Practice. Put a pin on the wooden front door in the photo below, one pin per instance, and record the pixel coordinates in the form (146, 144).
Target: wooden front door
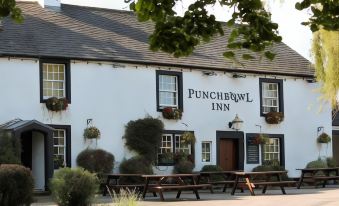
(228, 154)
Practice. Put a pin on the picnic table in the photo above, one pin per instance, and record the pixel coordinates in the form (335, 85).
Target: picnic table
(113, 182)
(225, 178)
(177, 182)
(254, 179)
(312, 175)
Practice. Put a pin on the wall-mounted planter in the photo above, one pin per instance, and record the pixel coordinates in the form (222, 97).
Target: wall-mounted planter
(324, 138)
(91, 133)
(261, 139)
(171, 113)
(274, 117)
(56, 104)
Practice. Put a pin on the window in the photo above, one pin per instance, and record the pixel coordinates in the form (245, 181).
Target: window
(206, 151)
(55, 80)
(61, 145)
(271, 96)
(169, 89)
(171, 144)
(272, 150)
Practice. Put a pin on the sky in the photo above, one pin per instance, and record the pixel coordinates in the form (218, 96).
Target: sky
(295, 35)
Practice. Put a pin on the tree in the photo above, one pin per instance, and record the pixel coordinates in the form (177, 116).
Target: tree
(9, 8)
(251, 30)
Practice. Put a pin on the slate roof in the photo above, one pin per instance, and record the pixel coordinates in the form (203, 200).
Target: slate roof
(87, 33)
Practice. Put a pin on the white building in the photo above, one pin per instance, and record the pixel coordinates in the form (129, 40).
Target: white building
(98, 59)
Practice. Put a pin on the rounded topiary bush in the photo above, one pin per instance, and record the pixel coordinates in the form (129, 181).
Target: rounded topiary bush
(211, 168)
(74, 187)
(16, 185)
(136, 165)
(144, 136)
(331, 162)
(272, 165)
(317, 164)
(96, 160)
(183, 167)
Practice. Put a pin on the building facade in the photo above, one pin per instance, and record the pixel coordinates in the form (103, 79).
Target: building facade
(109, 77)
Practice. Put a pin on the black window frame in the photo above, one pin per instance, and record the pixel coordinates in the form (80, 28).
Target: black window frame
(180, 87)
(280, 90)
(67, 64)
(282, 148)
(173, 133)
(68, 141)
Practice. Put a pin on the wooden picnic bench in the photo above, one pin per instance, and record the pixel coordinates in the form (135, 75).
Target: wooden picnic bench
(255, 179)
(181, 182)
(311, 175)
(225, 178)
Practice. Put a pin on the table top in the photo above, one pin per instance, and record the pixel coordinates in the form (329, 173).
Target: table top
(122, 175)
(171, 175)
(259, 173)
(217, 172)
(319, 169)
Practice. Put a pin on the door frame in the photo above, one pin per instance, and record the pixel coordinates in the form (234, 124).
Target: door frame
(239, 135)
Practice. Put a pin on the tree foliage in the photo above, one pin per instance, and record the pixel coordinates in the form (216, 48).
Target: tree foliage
(10, 149)
(9, 8)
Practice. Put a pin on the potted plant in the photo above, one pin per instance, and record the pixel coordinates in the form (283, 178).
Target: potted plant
(166, 158)
(324, 138)
(56, 104)
(188, 138)
(274, 117)
(261, 139)
(171, 113)
(91, 133)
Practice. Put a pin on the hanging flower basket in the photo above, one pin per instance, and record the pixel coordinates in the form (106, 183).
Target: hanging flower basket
(171, 113)
(56, 104)
(324, 138)
(261, 139)
(91, 133)
(274, 117)
(188, 137)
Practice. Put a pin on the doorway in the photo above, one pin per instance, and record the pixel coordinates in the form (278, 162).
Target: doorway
(335, 145)
(230, 150)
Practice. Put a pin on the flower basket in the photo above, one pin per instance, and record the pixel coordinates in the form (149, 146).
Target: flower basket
(324, 138)
(91, 133)
(56, 104)
(188, 137)
(261, 139)
(171, 113)
(274, 117)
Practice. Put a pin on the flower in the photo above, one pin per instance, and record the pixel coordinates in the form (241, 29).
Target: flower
(171, 113)
(323, 138)
(91, 133)
(261, 139)
(56, 104)
(274, 117)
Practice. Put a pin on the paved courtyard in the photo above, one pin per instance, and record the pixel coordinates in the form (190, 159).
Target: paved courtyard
(294, 197)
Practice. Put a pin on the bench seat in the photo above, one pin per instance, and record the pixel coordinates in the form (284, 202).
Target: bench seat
(180, 187)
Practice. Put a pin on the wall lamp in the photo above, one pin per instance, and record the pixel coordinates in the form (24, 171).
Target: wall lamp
(209, 73)
(236, 123)
(238, 75)
(311, 80)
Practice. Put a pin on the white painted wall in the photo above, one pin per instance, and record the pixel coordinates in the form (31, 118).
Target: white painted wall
(38, 160)
(114, 96)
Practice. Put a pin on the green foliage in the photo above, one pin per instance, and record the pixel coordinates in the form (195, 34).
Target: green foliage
(317, 164)
(91, 133)
(171, 113)
(73, 187)
(331, 162)
(16, 185)
(188, 138)
(9, 8)
(144, 136)
(96, 160)
(136, 165)
(271, 165)
(325, 51)
(213, 168)
(325, 14)
(183, 167)
(10, 149)
(126, 198)
(324, 138)
(56, 104)
(261, 139)
(274, 117)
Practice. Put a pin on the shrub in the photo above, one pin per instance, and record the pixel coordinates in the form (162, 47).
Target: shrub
(184, 167)
(144, 136)
(271, 165)
(126, 198)
(324, 138)
(91, 133)
(10, 149)
(317, 164)
(135, 165)
(213, 168)
(16, 185)
(181, 156)
(331, 162)
(73, 187)
(96, 160)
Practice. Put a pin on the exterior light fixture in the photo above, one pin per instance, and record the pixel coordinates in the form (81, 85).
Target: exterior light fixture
(236, 123)
(238, 75)
(209, 73)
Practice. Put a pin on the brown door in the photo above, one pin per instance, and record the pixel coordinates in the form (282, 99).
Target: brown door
(228, 158)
